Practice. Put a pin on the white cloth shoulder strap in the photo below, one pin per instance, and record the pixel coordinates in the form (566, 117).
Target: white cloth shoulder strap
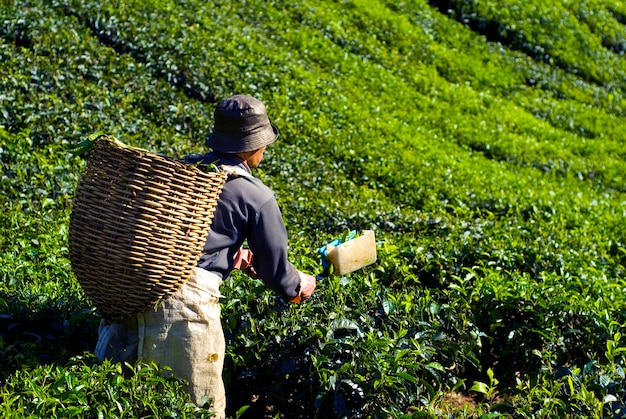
(234, 170)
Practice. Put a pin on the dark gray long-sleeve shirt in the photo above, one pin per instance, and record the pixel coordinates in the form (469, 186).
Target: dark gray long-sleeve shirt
(247, 210)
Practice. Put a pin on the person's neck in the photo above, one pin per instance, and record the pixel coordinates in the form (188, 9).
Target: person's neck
(233, 159)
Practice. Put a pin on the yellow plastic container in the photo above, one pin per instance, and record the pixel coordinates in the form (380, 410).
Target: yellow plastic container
(353, 254)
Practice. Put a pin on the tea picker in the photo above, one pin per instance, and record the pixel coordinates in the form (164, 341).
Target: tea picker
(151, 247)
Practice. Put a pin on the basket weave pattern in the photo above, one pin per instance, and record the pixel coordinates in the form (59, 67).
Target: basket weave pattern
(138, 225)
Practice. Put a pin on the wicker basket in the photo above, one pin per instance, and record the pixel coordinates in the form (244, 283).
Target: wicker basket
(138, 225)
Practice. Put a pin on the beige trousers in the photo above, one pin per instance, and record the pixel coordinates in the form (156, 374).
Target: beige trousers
(184, 332)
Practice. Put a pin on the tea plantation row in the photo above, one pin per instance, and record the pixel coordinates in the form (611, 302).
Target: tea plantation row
(484, 144)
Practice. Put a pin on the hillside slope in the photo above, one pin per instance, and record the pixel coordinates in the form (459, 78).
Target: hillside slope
(483, 141)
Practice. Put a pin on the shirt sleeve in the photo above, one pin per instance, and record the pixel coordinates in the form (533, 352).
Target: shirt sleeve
(267, 238)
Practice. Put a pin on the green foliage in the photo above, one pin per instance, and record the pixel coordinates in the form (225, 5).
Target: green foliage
(86, 388)
(483, 141)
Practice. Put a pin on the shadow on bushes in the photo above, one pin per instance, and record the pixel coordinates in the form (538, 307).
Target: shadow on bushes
(53, 335)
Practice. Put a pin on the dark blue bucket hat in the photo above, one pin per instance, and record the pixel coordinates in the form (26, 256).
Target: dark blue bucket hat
(241, 124)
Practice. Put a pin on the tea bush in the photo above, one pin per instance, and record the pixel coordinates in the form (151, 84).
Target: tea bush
(86, 388)
(482, 141)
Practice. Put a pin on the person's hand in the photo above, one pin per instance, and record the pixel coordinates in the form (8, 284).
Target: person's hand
(307, 286)
(243, 261)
